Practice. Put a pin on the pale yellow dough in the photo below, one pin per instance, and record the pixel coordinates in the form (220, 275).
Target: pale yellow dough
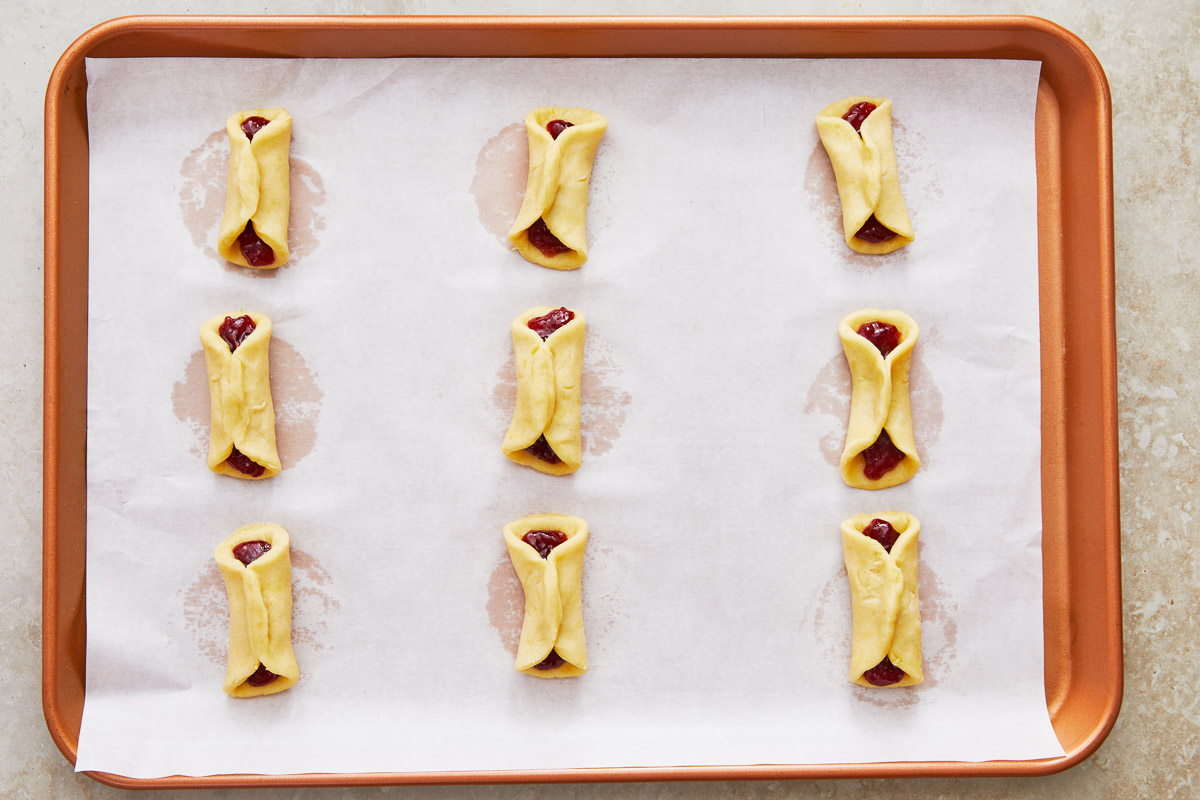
(883, 596)
(865, 168)
(557, 187)
(239, 390)
(553, 588)
(260, 611)
(549, 374)
(257, 189)
(879, 400)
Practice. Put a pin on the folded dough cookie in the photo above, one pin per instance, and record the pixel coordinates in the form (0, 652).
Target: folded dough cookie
(857, 134)
(880, 450)
(242, 441)
(551, 227)
(256, 564)
(880, 551)
(548, 350)
(257, 193)
(547, 553)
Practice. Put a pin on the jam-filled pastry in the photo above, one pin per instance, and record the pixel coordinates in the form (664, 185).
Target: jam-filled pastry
(257, 193)
(551, 227)
(547, 553)
(857, 134)
(548, 351)
(880, 551)
(880, 450)
(256, 564)
(242, 439)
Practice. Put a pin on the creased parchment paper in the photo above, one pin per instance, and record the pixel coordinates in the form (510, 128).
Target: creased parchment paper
(716, 607)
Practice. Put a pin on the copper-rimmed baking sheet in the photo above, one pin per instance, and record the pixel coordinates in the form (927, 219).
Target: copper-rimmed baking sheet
(1081, 545)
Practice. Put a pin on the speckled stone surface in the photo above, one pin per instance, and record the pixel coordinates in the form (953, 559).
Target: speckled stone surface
(1152, 57)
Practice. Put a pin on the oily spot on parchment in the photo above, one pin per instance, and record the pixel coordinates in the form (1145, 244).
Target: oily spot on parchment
(912, 148)
(506, 604)
(294, 392)
(604, 404)
(832, 625)
(830, 394)
(499, 183)
(206, 607)
(203, 177)
(501, 174)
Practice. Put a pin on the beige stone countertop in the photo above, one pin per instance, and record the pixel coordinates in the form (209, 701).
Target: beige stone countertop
(1152, 58)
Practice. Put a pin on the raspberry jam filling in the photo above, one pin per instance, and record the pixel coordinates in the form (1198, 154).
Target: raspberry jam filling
(550, 662)
(256, 252)
(252, 125)
(544, 541)
(235, 331)
(261, 677)
(885, 673)
(885, 337)
(545, 241)
(881, 457)
(858, 114)
(874, 231)
(882, 531)
(557, 126)
(244, 464)
(545, 325)
(542, 449)
(248, 552)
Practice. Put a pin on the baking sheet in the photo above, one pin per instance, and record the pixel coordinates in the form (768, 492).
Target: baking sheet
(715, 399)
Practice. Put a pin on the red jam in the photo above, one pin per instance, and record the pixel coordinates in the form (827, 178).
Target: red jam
(881, 457)
(544, 541)
(557, 126)
(873, 231)
(542, 449)
(235, 331)
(882, 531)
(858, 114)
(545, 241)
(885, 337)
(550, 662)
(548, 324)
(885, 673)
(256, 252)
(243, 464)
(252, 125)
(261, 677)
(248, 552)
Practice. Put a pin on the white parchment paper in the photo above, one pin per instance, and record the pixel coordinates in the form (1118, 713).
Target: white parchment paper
(716, 395)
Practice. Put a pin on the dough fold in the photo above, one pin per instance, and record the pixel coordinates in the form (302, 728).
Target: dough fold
(257, 189)
(557, 186)
(883, 596)
(865, 168)
(260, 611)
(553, 588)
(549, 374)
(239, 389)
(879, 400)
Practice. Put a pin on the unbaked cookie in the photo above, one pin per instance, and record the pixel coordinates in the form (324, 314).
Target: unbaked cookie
(548, 352)
(257, 193)
(242, 441)
(547, 553)
(551, 227)
(256, 564)
(880, 551)
(857, 134)
(880, 450)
